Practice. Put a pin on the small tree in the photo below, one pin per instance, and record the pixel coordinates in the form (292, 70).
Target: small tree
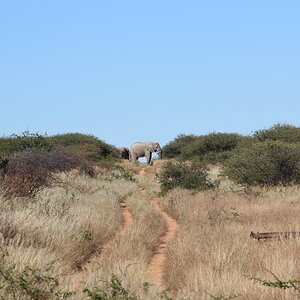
(264, 163)
(184, 175)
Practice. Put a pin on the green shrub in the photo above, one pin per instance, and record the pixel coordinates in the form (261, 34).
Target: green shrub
(279, 283)
(264, 163)
(84, 144)
(211, 148)
(88, 145)
(174, 148)
(279, 132)
(113, 290)
(119, 172)
(184, 175)
(27, 140)
(31, 284)
(222, 297)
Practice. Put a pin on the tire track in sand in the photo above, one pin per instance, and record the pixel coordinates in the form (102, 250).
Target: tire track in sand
(85, 269)
(157, 262)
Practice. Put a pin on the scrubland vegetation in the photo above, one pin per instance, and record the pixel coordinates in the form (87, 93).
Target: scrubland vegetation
(212, 252)
(65, 203)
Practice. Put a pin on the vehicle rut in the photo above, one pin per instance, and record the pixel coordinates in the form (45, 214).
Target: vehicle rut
(157, 262)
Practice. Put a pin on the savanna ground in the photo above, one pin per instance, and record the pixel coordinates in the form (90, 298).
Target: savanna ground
(87, 229)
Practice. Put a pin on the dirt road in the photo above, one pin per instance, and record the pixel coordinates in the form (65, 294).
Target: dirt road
(157, 262)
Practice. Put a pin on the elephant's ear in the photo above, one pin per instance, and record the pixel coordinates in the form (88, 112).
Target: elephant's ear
(150, 148)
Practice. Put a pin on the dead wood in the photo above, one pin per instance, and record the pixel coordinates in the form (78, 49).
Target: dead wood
(275, 235)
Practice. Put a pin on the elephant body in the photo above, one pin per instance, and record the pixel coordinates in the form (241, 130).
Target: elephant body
(144, 149)
(124, 152)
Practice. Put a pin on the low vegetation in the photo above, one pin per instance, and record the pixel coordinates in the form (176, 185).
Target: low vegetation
(192, 176)
(28, 172)
(87, 145)
(30, 283)
(30, 162)
(279, 132)
(64, 225)
(212, 253)
(63, 232)
(27, 140)
(174, 148)
(211, 148)
(265, 163)
(132, 248)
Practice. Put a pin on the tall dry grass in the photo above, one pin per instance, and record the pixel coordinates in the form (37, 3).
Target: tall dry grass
(129, 253)
(212, 252)
(66, 224)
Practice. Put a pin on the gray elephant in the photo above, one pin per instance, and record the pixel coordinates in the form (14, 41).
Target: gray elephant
(124, 152)
(144, 149)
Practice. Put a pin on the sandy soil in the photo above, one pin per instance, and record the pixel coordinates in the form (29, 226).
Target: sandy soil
(156, 264)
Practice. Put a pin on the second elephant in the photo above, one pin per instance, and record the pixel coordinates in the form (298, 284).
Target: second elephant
(124, 152)
(144, 149)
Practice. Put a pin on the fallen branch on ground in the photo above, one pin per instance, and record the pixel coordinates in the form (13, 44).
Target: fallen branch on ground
(275, 235)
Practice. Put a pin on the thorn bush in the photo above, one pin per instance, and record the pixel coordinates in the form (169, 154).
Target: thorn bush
(28, 172)
(184, 175)
(279, 132)
(29, 283)
(264, 163)
(212, 148)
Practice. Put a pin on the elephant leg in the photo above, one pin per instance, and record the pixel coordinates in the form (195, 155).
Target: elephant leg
(134, 157)
(148, 156)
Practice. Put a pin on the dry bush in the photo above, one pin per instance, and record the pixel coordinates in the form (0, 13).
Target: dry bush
(28, 172)
(8, 229)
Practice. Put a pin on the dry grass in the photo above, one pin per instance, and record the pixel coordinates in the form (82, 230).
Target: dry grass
(66, 225)
(79, 224)
(212, 251)
(128, 254)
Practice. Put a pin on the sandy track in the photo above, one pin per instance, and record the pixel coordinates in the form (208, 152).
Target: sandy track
(157, 263)
(85, 268)
(126, 213)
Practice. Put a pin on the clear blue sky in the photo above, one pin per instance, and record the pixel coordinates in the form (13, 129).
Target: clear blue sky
(129, 71)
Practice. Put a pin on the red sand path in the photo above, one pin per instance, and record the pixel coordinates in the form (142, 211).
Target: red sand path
(157, 262)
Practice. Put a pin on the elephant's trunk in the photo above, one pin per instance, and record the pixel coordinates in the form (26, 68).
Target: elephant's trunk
(159, 154)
